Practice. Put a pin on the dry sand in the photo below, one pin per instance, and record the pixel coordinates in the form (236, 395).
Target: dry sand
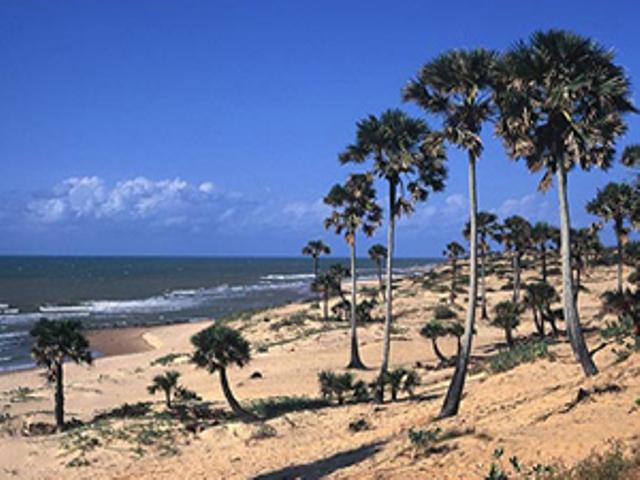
(525, 410)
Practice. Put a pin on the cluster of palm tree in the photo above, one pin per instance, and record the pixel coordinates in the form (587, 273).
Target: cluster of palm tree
(557, 100)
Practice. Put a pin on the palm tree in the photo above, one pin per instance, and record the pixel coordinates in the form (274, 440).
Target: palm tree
(410, 159)
(327, 284)
(378, 253)
(515, 234)
(488, 228)
(631, 156)
(54, 343)
(314, 249)
(539, 297)
(354, 207)
(167, 382)
(615, 203)
(562, 100)
(456, 86)
(585, 245)
(541, 234)
(216, 348)
(453, 252)
(507, 317)
(436, 329)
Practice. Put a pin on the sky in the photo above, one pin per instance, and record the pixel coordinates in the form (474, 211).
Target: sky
(186, 127)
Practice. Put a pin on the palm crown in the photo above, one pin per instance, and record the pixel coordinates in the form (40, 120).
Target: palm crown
(57, 341)
(354, 206)
(377, 252)
(615, 202)
(218, 347)
(453, 250)
(315, 248)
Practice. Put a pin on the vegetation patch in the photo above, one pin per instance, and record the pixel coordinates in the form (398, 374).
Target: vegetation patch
(275, 406)
(169, 359)
(21, 395)
(526, 352)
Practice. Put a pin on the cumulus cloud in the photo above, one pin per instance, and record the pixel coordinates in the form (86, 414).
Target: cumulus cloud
(533, 206)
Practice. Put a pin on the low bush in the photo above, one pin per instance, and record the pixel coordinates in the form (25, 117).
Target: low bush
(275, 406)
(521, 353)
(443, 312)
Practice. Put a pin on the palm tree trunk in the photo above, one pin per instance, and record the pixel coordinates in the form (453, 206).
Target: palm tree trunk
(315, 267)
(444, 360)
(454, 271)
(538, 320)
(454, 393)
(543, 258)
(574, 330)
(231, 400)
(325, 304)
(384, 366)
(620, 261)
(380, 282)
(355, 361)
(483, 288)
(59, 397)
(516, 276)
(167, 396)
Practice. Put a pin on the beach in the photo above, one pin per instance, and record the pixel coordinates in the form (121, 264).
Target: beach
(526, 411)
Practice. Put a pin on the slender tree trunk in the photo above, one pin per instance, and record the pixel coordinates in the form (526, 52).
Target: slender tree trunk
(620, 261)
(543, 258)
(443, 359)
(483, 287)
(508, 336)
(231, 400)
(167, 395)
(325, 304)
(454, 273)
(454, 393)
(574, 330)
(516, 277)
(386, 348)
(355, 361)
(315, 266)
(59, 397)
(538, 320)
(380, 282)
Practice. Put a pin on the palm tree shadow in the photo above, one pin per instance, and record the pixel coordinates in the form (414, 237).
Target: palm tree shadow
(325, 466)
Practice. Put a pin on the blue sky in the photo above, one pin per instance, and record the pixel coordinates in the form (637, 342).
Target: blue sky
(212, 128)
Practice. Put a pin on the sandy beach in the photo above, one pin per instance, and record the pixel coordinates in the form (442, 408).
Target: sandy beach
(527, 411)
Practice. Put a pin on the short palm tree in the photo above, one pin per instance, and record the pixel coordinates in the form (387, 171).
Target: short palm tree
(539, 297)
(54, 343)
(562, 100)
(507, 317)
(457, 87)
(326, 284)
(314, 249)
(354, 208)
(410, 159)
(436, 329)
(167, 383)
(216, 348)
(585, 246)
(515, 235)
(488, 229)
(615, 203)
(453, 251)
(541, 235)
(378, 253)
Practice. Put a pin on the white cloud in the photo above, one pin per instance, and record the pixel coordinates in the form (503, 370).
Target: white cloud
(531, 206)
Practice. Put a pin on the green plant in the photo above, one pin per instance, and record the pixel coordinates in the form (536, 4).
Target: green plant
(443, 312)
(423, 440)
(335, 385)
(275, 406)
(168, 359)
(167, 383)
(521, 353)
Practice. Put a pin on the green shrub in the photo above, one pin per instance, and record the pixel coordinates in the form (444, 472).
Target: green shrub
(335, 385)
(297, 319)
(442, 312)
(522, 353)
(423, 440)
(275, 406)
(401, 379)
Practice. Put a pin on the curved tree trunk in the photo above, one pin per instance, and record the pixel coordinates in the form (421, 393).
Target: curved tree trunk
(386, 348)
(59, 397)
(454, 393)
(483, 287)
(443, 359)
(574, 330)
(231, 400)
(355, 361)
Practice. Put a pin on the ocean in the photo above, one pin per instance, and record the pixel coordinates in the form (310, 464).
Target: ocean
(124, 291)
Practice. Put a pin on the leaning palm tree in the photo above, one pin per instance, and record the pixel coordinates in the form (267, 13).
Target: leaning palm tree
(515, 235)
(410, 158)
(354, 207)
(562, 99)
(453, 251)
(216, 348)
(54, 343)
(488, 229)
(615, 203)
(541, 234)
(378, 253)
(456, 86)
(167, 383)
(314, 249)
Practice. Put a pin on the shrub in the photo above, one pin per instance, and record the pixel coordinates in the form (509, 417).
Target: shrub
(401, 379)
(297, 319)
(274, 406)
(335, 385)
(442, 312)
(423, 440)
(522, 353)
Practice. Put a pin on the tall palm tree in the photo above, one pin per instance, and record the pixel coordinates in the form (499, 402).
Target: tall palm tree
(354, 207)
(314, 249)
(488, 229)
(456, 87)
(410, 159)
(216, 348)
(378, 253)
(453, 251)
(615, 202)
(54, 343)
(516, 236)
(562, 99)
(541, 234)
